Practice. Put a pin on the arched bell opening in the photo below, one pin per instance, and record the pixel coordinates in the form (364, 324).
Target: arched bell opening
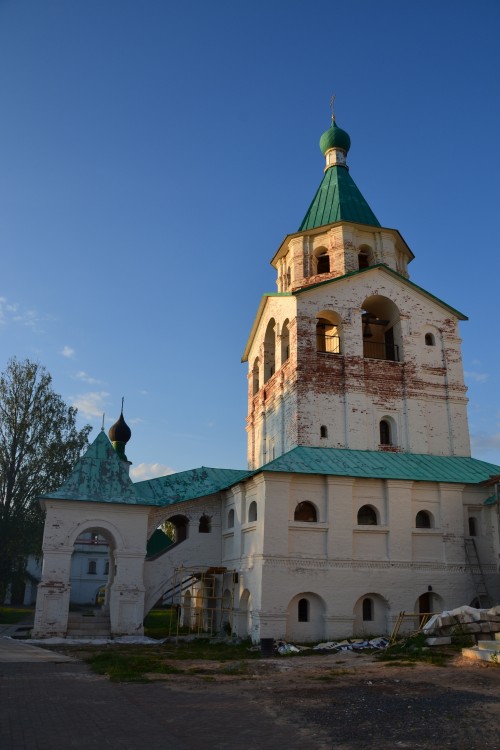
(381, 329)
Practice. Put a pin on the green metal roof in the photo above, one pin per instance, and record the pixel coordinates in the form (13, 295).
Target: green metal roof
(383, 465)
(99, 477)
(158, 543)
(490, 500)
(188, 485)
(338, 199)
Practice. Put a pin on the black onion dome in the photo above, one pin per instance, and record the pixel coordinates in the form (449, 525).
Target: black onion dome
(120, 432)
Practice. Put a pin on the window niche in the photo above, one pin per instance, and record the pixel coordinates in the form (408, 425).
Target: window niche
(255, 377)
(303, 610)
(204, 525)
(323, 431)
(270, 350)
(323, 263)
(367, 608)
(385, 432)
(429, 339)
(305, 511)
(328, 333)
(230, 519)
(367, 516)
(285, 341)
(423, 520)
(252, 512)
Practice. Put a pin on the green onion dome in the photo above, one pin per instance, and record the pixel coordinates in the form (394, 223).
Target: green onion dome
(334, 137)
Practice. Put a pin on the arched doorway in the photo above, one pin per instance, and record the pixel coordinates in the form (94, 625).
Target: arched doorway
(245, 615)
(92, 568)
(429, 603)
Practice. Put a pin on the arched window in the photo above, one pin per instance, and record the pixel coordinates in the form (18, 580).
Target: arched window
(323, 431)
(288, 277)
(230, 519)
(180, 524)
(381, 329)
(92, 569)
(285, 341)
(423, 520)
(305, 512)
(367, 516)
(363, 259)
(204, 525)
(269, 350)
(367, 609)
(252, 512)
(472, 526)
(303, 610)
(385, 432)
(429, 339)
(327, 336)
(323, 263)
(255, 376)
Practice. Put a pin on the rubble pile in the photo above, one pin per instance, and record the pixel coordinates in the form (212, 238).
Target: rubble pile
(478, 623)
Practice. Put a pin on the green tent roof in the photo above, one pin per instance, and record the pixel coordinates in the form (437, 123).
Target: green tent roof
(99, 476)
(338, 199)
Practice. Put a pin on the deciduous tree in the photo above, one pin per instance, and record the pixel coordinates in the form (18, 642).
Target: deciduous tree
(39, 444)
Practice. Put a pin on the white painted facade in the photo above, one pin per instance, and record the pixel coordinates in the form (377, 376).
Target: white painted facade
(351, 389)
(347, 355)
(125, 529)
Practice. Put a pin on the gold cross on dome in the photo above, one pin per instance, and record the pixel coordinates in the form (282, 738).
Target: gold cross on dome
(332, 102)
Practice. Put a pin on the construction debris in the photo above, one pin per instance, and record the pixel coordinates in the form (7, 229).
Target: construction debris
(353, 644)
(479, 623)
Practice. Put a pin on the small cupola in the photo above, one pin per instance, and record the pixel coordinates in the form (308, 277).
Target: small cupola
(335, 144)
(119, 434)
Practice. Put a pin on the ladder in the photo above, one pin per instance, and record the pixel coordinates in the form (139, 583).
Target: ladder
(478, 580)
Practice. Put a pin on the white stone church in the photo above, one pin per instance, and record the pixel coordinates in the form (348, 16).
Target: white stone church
(360, 499)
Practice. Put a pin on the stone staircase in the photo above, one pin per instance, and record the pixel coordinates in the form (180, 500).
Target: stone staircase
(485, 650)
(91, 624)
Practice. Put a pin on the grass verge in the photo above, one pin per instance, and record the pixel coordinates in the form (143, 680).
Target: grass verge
(414, 649)
(11, 615)
(135, 663)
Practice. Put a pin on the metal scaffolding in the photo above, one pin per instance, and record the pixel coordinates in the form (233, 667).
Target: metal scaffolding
(203, 599)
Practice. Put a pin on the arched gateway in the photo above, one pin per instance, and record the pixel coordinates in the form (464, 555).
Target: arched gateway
(98, 495)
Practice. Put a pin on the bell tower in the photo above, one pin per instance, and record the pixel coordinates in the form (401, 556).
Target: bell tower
(349, 353)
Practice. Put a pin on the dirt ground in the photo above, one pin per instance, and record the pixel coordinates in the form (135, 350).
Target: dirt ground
(348, 701)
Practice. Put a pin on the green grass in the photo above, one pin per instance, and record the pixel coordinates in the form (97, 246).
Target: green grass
(11, 615)
(162, 623)
(414, 649)
(130, 667)
(133, 663)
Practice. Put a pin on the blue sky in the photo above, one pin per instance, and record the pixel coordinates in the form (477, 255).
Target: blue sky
(154, 154)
